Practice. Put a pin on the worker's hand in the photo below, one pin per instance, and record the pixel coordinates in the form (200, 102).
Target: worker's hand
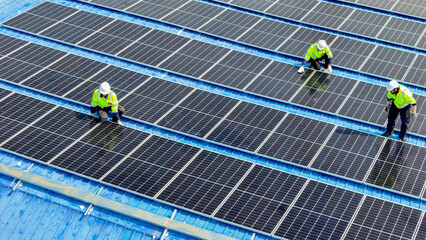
(415, 115)
(386, 108)
(325, 70)
(329, 69)
(301, 70)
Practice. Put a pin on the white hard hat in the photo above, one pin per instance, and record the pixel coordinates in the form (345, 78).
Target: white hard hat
(392, 85)
(321, 44)
(104, 88)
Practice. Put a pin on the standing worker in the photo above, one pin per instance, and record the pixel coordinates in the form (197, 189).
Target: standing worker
(400, 101)
(317, 52)
(103, 101)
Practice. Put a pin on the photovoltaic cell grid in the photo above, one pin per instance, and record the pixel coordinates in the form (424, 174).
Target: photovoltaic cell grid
(409, 7)
(397, 168)
(370, 24)
(378, 219)
(149, 163)
(227, 67)
(422, 230)
(187, 60)
(243, 125)
(290, 39)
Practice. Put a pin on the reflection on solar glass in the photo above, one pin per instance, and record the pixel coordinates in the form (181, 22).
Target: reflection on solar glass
(324, 92)
(400, 167)
(348, 153)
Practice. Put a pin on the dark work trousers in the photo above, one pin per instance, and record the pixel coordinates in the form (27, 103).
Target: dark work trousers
(103, 113)
(315, 62)
(405, 119)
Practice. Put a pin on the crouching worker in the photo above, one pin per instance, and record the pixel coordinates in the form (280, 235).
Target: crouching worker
(103, 101)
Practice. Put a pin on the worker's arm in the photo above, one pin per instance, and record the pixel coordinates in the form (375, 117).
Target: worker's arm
(114, 105)
(330, 60)
(414, 109)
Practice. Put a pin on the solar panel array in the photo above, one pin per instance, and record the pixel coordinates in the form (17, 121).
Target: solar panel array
(208, 62)
(225, 120)
(294, 40)
(409, 7)
(234, 190)
(227, 188)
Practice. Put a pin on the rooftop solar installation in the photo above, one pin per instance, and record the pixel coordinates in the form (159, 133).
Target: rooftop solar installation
(213, 184)
(294, 40)
(224, 120)
(284, 203)
(229, 67)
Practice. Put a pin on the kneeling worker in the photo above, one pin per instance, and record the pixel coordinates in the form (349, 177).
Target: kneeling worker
(400, 101)
(103, 101)
(316, 53)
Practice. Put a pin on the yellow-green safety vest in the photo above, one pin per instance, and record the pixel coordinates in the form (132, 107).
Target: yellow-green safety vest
(314, 52)
(110, 101)
(403, 97)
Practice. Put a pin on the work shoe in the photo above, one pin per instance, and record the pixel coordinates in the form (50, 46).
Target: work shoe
(386, 134)
(404, 139)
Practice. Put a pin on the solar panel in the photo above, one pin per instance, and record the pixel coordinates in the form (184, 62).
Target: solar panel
(378, 219)
(367, 23)
(328, 15)
(151, 166)
(400, 167)
(205, 183)
(280, 36)
(409, 7)
(199, 113)
(356, 148)
(421, 234)
(261, 199)
(321, 212)
(392, 65)
(325, 92)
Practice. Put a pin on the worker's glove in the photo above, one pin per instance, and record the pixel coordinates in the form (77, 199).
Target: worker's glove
(415, 115)
(329, 69)
(301, 70)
